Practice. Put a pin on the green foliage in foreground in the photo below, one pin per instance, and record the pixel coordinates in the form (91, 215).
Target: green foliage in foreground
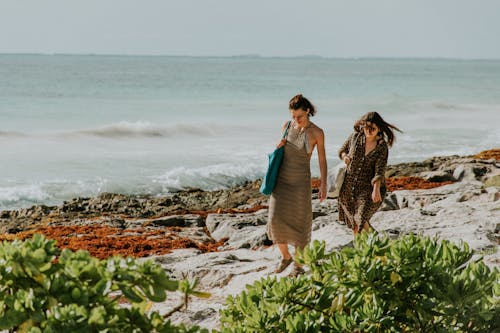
(45, 290)
(412, 284)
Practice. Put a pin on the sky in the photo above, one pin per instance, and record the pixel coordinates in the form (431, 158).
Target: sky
(468, 29)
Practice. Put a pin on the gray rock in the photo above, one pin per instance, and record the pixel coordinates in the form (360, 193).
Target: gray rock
(241, 230)
(216, 269)
(493, 193)
(250, 238)
(225, 225)
(469, 195)
(493, 181)
(390, 202)
(189, 220)
(437, 176)
(428, 212)
(480, 171)
(459, 172)
(175, 257)
(325, 208)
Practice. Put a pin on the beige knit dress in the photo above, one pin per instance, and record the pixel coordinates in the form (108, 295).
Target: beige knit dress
(290, 208)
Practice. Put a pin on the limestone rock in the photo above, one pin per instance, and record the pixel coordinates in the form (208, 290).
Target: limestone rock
(188, 220)
(241, 230)
(437, 176)
(493, 181)
(459, 172)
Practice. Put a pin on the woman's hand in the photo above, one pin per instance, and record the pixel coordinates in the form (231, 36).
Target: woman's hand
(376, 197)
(281, 143)
(347, 159)
(322, 191)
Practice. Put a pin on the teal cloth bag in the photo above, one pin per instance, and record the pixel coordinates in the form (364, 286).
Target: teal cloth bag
(275, 159)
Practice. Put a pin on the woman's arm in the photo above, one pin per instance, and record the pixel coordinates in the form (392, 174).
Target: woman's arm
(380, 165)
(320, 141)
(344, 150)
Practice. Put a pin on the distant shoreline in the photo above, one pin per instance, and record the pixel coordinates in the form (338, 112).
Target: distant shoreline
(248, 56)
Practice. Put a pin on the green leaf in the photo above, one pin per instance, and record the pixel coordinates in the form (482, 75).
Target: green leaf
(97, 316)
(130, 293)
(395, 278)
(201, 294)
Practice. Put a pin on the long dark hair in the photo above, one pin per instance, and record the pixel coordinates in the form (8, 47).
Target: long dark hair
(300, 102)
(386, 130)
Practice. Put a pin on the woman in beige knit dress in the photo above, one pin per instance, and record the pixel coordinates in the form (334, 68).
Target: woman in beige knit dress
(290, 208)
(365, 154)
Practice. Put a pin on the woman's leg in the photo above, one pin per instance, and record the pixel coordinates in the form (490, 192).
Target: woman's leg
(285, 253)
(364, 210)
(286, 258)
(298, 248)
(297, 268)
(367, 211)
(366, 226)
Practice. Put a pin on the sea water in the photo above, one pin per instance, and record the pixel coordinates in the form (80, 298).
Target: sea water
(74, 125)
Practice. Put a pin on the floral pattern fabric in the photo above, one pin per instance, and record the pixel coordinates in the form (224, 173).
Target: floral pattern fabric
(356, 206)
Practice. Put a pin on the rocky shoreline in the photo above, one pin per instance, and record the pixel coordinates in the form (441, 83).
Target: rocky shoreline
(219, 236)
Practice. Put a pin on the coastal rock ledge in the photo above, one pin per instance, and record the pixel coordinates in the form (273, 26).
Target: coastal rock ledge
(220, 237)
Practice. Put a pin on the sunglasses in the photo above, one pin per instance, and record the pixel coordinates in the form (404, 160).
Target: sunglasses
(369, 128)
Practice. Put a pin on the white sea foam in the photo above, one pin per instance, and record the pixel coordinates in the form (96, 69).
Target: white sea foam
(52, 192)
(22, 193)
(212, 177)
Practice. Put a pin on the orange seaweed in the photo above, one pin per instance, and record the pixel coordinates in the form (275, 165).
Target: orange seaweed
(411, 183)
(489, 154)
(103, 241)
(401, 183)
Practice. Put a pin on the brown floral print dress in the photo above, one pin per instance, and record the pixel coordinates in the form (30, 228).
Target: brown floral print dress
(356, 206)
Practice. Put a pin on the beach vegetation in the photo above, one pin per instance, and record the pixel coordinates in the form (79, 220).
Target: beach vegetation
(409, 284)
(45, 289)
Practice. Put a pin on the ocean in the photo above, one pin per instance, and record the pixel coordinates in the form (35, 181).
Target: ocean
(80, 125)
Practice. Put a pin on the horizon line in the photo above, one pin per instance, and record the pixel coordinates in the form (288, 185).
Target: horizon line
(247, 55)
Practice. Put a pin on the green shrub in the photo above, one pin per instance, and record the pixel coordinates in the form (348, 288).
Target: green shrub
(43, 289)
(412, 284)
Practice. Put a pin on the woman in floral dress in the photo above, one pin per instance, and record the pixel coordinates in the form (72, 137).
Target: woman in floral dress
(365, 154)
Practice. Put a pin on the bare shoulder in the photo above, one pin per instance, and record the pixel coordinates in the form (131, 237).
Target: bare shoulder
(316, 131)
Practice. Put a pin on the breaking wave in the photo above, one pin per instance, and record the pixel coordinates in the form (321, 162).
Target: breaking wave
(146, 129)
(213, 177)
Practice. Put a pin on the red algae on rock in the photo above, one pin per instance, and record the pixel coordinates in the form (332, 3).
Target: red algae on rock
(411, 183)
(315, 183)
(103, 241)
(489, 154)
(401, 183)
(204, 213)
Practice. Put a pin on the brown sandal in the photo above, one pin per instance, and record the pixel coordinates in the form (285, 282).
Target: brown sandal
(283, 265)
(297, 270)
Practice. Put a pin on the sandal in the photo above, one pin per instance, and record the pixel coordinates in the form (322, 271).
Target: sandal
(297, 270)
(283, 265)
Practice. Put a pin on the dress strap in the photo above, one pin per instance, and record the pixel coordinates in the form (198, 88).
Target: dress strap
(286, 130)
